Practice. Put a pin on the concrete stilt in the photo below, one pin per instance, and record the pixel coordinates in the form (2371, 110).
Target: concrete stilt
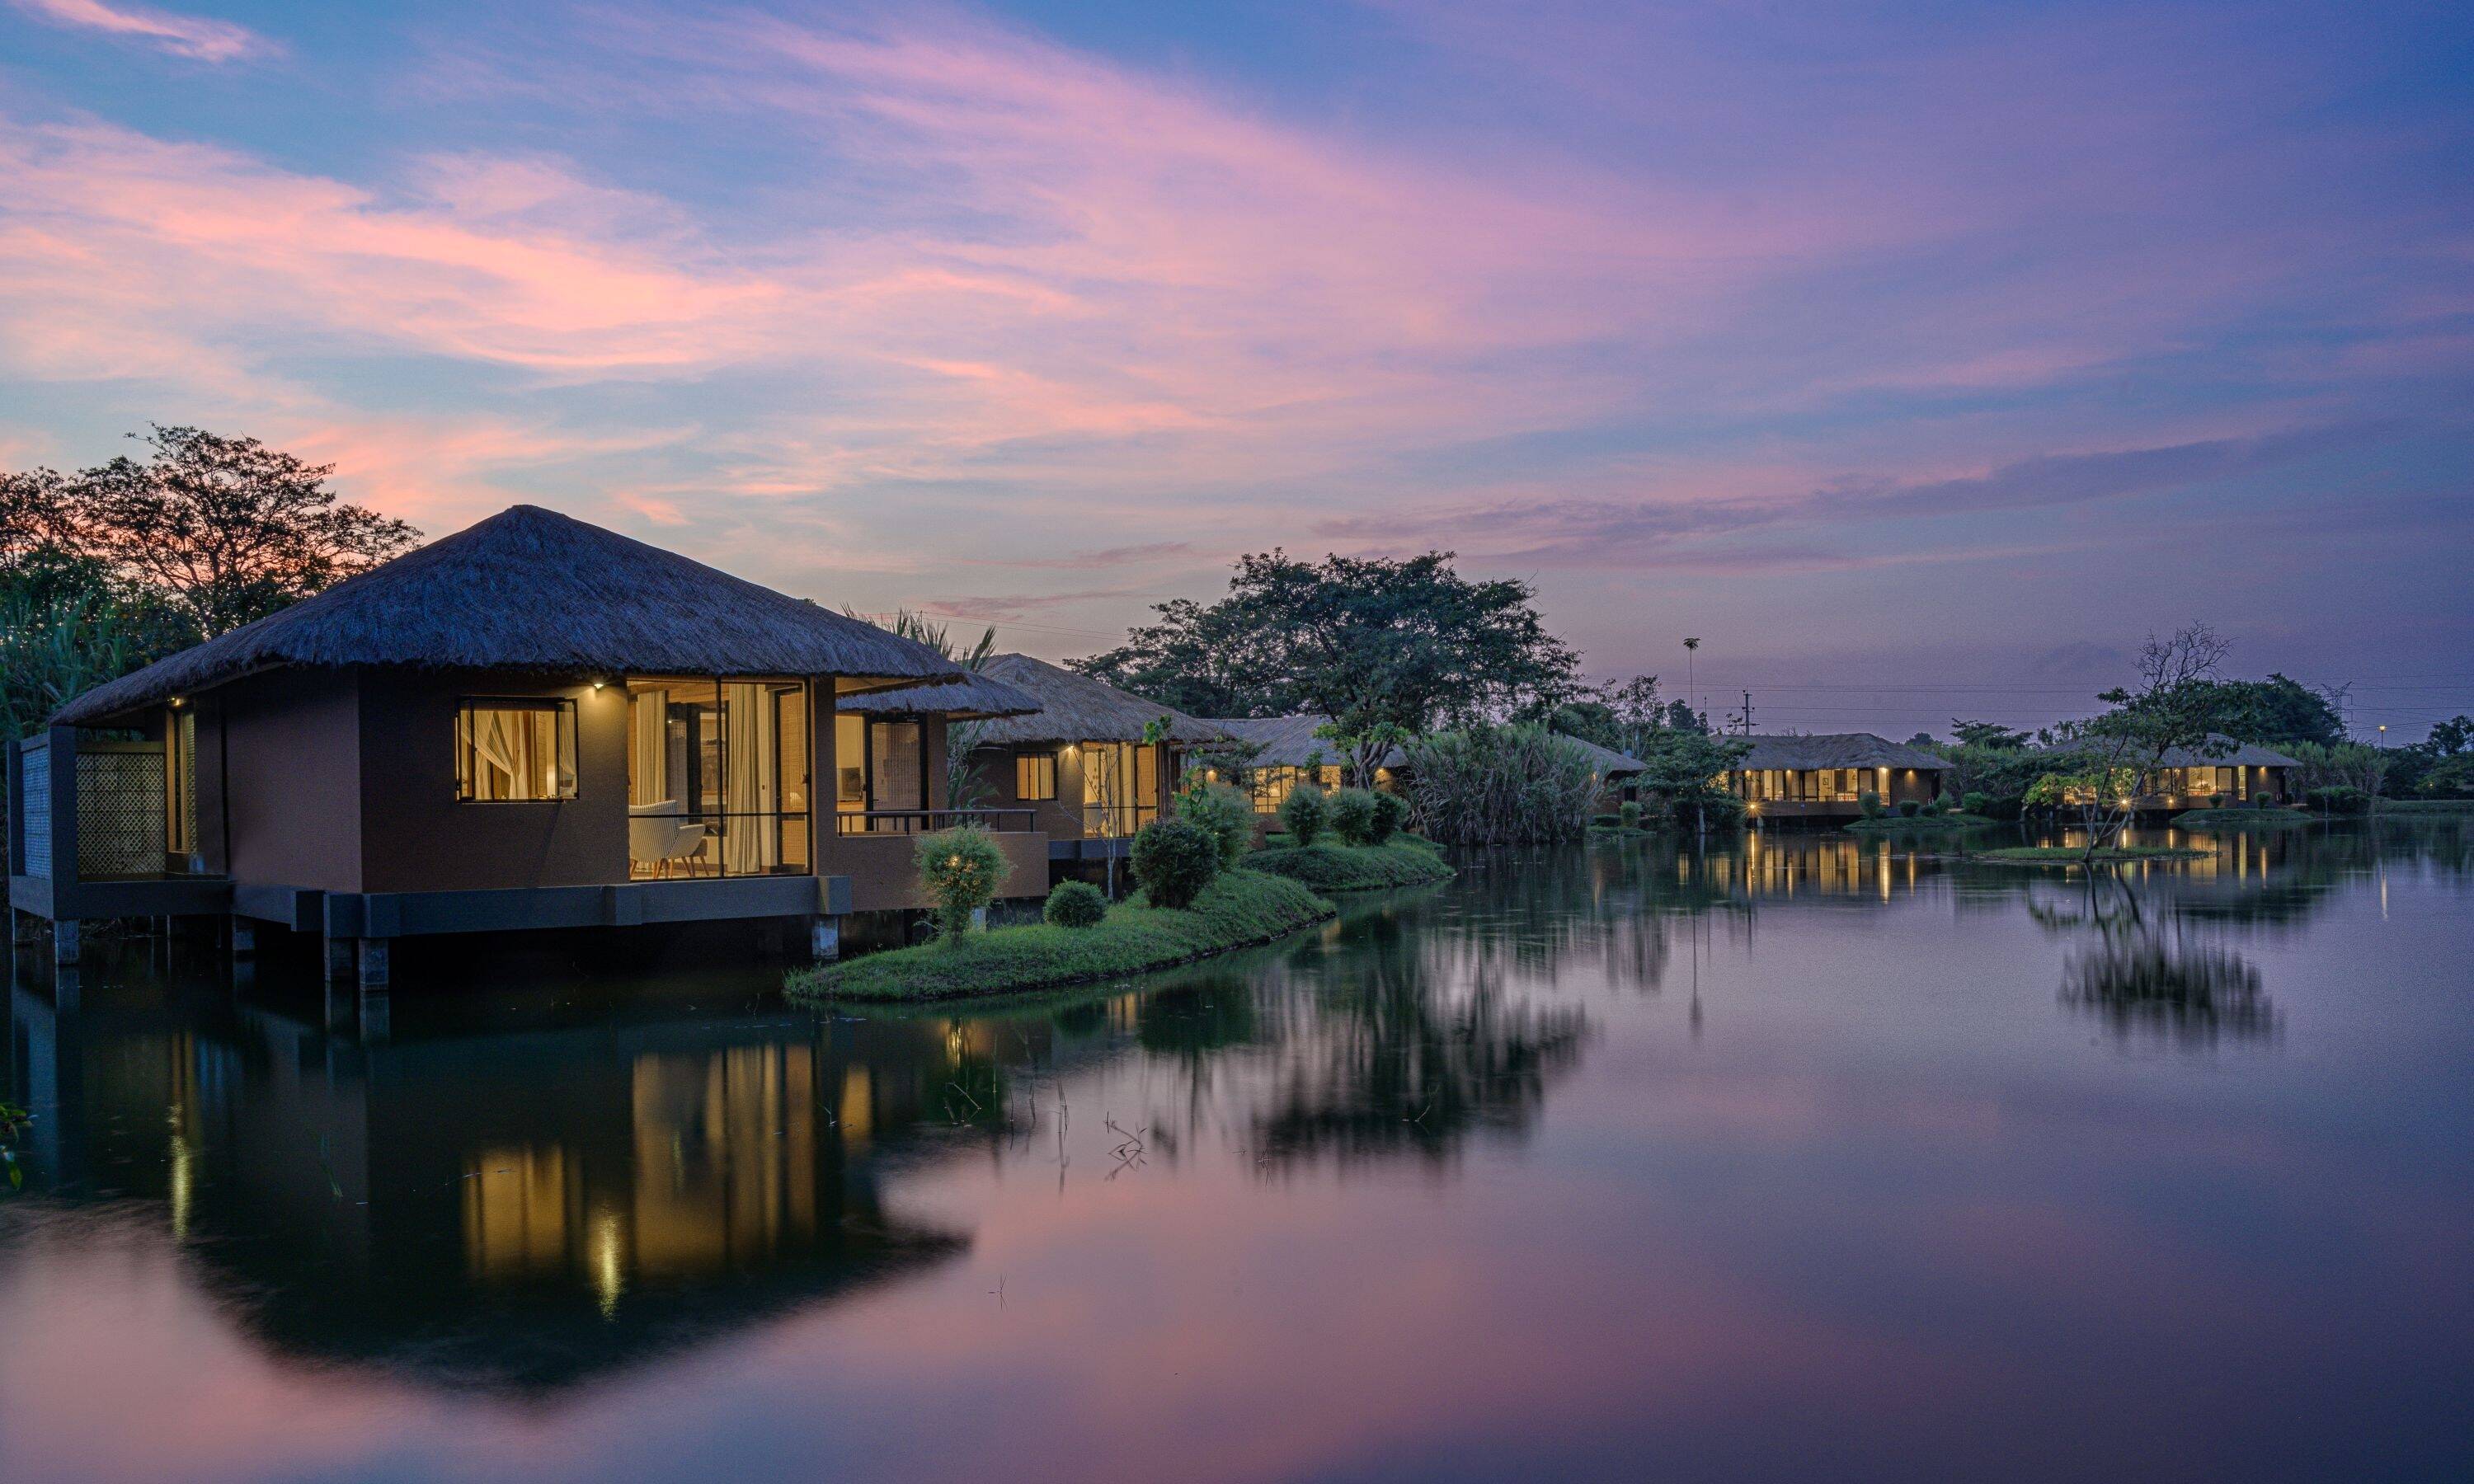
(244, 938)
(341, 1004)
(65, 941)
(68, 988)
(825, 939)
(372, 956)
(339, 959)
(375, 1014)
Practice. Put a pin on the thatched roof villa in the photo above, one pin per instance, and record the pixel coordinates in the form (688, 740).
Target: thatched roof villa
(1080, 762)
(1824, 775)
(532, 723)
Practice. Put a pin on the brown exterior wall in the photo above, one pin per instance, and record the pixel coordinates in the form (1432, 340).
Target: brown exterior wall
(883, 876)
(280, 758)
(1059, 817)
(416, 837)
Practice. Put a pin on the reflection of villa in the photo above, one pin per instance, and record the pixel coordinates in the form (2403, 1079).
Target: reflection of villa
(1827, 775)
(534, 723)
(1082, 764)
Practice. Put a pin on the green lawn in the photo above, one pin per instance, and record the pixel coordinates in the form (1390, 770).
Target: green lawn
(1238, 909)
(2241, 819)
(1354, 868)
(2072, 855)
(1951, 821)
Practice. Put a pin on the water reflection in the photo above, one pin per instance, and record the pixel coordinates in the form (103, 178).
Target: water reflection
(2150, 986)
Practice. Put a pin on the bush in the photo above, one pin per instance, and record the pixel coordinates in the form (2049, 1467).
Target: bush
(2262, 800)
(1352, 816)
(1303, 815)
(2340, 798)
(1629, 812)
(1501, 786)
(1221, 812)
(1175, 861)
(1930, 808)
(961, 869)
(1391, 817)
(1870, 802)
(1074, 904)
(1908, 808)
(1976, 801)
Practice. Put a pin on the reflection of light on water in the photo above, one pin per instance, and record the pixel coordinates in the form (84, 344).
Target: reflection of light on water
(183, 1174)
(609, 1277)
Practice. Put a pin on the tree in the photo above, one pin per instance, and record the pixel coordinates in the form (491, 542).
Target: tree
(1684, 767)
(1365, 641)
(226, 529)
(2171, 707)
(2276, 711)
(1986, 735)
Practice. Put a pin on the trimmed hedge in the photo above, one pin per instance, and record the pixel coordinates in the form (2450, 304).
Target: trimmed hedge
(1238, 909)
(1074, 904)
(1174, 861)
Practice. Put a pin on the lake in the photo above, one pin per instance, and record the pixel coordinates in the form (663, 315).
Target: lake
(1804, 1157)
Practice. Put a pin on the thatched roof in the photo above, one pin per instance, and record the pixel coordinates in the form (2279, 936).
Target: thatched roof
(2223, 751)
(1837, 750)
(1283, 741)
(976, 697)
(1606, 762)
(532, 589)
(1078, 709)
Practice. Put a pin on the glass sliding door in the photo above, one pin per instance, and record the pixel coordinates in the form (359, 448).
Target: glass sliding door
(717, 777)
(1119, 788)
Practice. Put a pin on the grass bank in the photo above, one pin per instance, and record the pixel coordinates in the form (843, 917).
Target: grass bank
(1892, 821)
(2242, 819)
(1353, 868)
(2072, 855)
(1239, 908)
(2426, 806)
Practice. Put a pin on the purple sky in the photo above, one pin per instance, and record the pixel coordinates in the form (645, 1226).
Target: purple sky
(1918, 359)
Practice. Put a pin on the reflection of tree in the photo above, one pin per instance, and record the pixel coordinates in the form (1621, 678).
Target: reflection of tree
(2148, 986)
(1400, 1058)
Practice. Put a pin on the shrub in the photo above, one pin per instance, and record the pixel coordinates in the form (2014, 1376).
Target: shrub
(1500, 785)
(1976, 801)
(961, 869)
(1303, 815)
(1391, 817)
(2340, 798)
(1908, 808)
(1870, 802)
(2261, 800)
(1352, 816)
(1222, 813)
(1930, 808)
(1175, 861)
(1629, 813)
(1074, 904)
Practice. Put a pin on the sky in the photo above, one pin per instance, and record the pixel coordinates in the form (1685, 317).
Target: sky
(1919, 359)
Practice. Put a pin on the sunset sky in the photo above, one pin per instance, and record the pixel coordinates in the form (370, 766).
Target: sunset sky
(1918, 358)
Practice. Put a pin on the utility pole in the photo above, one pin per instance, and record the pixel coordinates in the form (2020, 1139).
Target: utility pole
(1743, 719)
(1700, 809)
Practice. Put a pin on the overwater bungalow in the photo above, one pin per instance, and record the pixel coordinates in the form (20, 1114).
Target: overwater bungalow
(1080, 764)
(1824, 776)
(533, 723)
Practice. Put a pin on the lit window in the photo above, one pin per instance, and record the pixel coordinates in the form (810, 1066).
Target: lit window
(1034, 776)
(515, 749)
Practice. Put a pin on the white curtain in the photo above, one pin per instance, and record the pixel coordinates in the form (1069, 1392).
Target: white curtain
(500, 748)
(749, 785)
(648, 761)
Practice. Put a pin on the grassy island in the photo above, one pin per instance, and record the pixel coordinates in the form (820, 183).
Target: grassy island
(2241, 819)
(2072, 856)
(1238, 909)
(1353, 868)
(1888, 823)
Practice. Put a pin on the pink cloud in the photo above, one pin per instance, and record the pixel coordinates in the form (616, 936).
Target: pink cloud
(195, 37)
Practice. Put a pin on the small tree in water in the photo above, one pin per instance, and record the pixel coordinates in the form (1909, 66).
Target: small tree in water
(2172, 707)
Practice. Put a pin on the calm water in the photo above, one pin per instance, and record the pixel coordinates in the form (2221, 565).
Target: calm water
(1808, 1158)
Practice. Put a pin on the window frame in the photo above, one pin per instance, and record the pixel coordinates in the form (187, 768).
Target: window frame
(462, 733)
(1041, 763)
